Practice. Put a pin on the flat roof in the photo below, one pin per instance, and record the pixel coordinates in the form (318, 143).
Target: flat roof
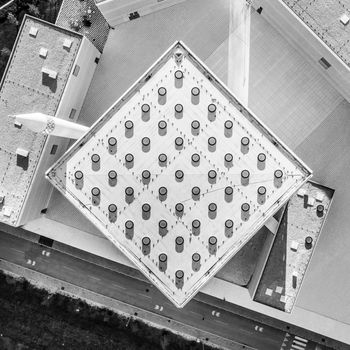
(85, 18)
(24, 89)
(148, 140)
(329, 20)
(295, 242)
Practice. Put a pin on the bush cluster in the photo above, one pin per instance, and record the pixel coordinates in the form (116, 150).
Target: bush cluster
(31, 318)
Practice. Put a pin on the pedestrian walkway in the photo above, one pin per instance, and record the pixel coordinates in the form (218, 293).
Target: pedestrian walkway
(299, 343)
(293, 342)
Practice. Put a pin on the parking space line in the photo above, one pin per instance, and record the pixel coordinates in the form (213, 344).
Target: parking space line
(94, 278)
(67, 268)
(118, 286)
(145, 295)
(17, 250)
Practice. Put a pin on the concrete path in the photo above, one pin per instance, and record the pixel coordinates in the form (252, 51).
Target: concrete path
(239, 49)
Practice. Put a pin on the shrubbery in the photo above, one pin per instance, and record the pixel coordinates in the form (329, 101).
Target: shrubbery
(31, 318)
(11, 18)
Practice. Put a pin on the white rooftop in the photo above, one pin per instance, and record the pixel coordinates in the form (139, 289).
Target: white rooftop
(147, 144)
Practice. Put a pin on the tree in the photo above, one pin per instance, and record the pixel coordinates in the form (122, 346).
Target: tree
(12, 19)
(33, 10)
(164, 340)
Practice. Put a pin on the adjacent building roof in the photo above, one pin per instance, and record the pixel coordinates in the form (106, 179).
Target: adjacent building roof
(330, 21)
(34, 81)
(178, 174)
(84, 17)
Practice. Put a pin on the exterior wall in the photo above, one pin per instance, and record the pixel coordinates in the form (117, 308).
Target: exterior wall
(302, 37)
(77, 87)
(73, 97)
(117, 11)
(264, 254)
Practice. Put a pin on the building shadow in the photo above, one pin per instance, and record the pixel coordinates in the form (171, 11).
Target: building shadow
(240, 268)
(272, 286)
(22, 162)
(49, 82)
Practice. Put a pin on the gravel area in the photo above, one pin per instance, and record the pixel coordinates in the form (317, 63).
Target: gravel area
(290, 255)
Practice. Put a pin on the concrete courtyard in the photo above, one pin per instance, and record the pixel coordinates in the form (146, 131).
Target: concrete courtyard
(288, 94)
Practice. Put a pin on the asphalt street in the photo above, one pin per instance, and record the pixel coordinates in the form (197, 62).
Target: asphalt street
(142, 294)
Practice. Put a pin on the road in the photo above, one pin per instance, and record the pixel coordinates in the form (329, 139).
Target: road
(141, 294)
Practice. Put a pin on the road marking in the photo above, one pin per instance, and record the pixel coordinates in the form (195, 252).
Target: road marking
(118, 286)
(145, 295)
(301, 339)
(17, 250)
(299, 343)
(258, 328)
(285, 341)
(297, 347)
(246, 331)
(224, 323)
(195, 313)
(67, 268)
(94, 278)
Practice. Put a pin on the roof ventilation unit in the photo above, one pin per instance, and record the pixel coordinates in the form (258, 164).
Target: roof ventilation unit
(43, 52)
(51, 73)
(67, 43)
(33, 32)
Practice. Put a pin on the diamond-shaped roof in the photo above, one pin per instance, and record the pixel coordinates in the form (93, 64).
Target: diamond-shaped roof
(178, 174)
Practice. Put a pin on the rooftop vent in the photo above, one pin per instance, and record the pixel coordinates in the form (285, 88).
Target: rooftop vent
(344, 19)
(18, 125)
(22, 152)
(67, 43)
(33, 32)
(51, 73)
(7, 211)
(43, 52)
